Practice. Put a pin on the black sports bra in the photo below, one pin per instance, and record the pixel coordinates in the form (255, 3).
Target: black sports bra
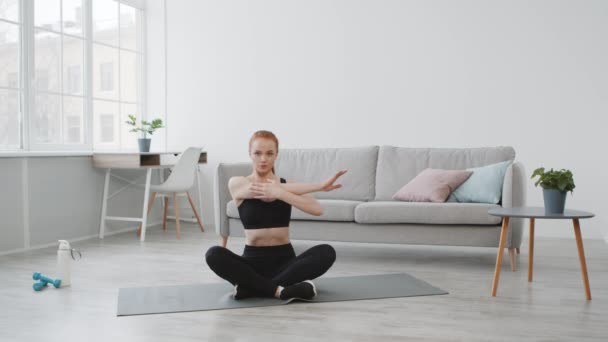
(257, 214)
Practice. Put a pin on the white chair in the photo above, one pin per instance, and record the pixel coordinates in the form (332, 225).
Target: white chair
(180, 181)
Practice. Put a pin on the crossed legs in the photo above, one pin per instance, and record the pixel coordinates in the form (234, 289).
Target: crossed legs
(237, 270)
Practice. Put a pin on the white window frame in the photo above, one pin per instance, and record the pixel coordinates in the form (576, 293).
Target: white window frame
(27, 73)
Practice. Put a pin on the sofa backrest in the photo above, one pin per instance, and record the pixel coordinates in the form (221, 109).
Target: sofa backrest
(318, 164)
(398, 165)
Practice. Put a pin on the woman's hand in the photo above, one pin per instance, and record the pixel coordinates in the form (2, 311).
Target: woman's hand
(267, 191)
(329, 185)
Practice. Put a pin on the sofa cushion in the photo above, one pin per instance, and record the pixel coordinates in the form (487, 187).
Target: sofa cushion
(399, 165)
(333, 210)
(425, 212)
(432, 185)
(484, 185)
(317, 165)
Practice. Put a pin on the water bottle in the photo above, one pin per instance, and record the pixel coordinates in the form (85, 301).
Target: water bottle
(64, 261)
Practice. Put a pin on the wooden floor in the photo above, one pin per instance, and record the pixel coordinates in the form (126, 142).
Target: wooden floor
(553, 308)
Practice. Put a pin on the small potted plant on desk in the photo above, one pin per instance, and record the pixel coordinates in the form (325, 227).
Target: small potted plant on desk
(145, 127)
(556, 185)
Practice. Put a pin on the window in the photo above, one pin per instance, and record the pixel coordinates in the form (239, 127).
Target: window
(107, 128)
(42, 79)
(12, 80)
(85, 58)
(106, 76)
(11, 91)
(74, 131)
(56, 49)
(73, 109)
(74, 79)
(117, 61)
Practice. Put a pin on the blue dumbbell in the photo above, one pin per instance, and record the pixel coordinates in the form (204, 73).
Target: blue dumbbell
(55, 282)
(40, 285)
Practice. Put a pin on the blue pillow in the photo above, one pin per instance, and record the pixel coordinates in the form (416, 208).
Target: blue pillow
(484, 185)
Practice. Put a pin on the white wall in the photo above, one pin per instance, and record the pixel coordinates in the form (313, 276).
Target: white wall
(319, 73)
(45, 199)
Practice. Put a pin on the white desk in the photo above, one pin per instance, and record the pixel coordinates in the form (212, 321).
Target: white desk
(146, 161)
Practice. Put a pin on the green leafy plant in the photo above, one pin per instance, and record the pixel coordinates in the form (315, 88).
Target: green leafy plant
(146, 127)
(561, 180)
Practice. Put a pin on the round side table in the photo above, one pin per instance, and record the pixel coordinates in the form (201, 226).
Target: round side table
(533, 213)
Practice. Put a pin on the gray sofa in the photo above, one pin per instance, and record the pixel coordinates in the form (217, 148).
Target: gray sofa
(363, 210)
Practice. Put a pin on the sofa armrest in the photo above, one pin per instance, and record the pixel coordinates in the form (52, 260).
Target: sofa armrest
(514, 195)
(221, 194)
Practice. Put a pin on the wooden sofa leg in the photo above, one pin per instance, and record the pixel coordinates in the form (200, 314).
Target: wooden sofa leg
(512, 258)
(224, 241)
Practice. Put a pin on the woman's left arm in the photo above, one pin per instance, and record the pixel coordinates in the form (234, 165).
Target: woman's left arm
(306, 203)
(304, 188)
(301, 188)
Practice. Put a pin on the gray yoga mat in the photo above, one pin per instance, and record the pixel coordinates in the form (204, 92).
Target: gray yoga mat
(216, 296)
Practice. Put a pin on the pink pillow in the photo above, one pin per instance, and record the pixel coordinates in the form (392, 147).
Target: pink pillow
(432, 185)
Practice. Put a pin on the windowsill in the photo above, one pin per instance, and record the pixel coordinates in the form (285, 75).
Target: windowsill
(17, 154)
(20, 154)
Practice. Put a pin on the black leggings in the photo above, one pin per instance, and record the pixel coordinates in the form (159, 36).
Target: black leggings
(261, 269)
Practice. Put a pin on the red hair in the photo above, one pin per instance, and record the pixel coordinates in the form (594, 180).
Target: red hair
(265, 135)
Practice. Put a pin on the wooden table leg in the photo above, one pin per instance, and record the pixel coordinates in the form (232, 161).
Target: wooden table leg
(501, 247)
(512, 259)
(531, 251)
(581, 256)
(176, 211)
(198, 219)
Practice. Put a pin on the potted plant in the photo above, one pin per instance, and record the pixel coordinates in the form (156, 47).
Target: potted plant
(145, 127)
(555, 184)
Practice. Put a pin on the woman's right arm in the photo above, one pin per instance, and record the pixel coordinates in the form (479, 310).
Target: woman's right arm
(239, 188)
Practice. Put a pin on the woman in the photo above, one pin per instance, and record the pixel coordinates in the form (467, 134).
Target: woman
(269, 266)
